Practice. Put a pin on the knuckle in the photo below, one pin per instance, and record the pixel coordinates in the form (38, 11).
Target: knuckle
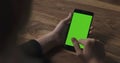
(91, 42)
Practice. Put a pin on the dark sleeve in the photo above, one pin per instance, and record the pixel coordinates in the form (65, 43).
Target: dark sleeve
(33, 52)
(32, 48)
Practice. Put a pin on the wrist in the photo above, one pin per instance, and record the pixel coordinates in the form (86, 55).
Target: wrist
(48, 41)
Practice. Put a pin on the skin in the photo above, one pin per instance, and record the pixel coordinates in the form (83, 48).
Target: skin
(55, 37)
(92, 53)
(18, 14)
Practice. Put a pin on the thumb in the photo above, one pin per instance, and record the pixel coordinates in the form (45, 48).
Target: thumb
(63, 23)
(67, 19)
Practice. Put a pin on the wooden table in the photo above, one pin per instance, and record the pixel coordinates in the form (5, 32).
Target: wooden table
(47, 13)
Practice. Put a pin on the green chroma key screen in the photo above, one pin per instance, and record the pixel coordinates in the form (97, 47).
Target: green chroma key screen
(79, 28)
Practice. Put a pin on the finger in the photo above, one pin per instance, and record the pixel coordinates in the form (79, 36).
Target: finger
(96, 40)
(76, 46)
(91, 28)
(82, 41)
(93, 48)
(86, 41)
(91, 32)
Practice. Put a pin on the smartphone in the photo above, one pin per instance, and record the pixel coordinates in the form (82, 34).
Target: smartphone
(79, 27)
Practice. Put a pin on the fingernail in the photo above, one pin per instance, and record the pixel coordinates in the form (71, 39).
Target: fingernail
(73, 40)
(90, 32)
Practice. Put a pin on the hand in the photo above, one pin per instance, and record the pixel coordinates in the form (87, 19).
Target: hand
(61, 30)
(94, 49)
(56, 37)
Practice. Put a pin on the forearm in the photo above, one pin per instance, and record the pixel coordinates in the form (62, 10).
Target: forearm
(47, 42)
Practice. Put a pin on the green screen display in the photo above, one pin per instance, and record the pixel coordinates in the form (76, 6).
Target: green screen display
(79, 28)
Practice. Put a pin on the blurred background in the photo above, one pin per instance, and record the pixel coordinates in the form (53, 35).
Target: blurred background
(46, 14)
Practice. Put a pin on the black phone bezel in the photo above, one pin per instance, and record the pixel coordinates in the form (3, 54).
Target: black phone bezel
(71, 48)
